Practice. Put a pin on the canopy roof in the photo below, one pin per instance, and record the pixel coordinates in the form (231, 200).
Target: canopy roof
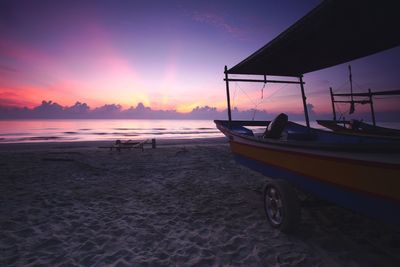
(335, 32)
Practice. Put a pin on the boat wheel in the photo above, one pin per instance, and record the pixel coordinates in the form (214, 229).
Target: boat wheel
(281, 205)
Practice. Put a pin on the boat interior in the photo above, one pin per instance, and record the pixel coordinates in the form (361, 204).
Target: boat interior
(282, 131)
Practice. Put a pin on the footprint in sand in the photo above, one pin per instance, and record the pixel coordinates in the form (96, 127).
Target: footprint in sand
(291, 258)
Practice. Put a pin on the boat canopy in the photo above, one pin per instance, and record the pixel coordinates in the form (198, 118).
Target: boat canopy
(335, 32)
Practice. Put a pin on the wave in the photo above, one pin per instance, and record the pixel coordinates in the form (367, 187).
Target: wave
(90, 130)
(177, 132)
(13, 134)
(126, 129)
(43, 137)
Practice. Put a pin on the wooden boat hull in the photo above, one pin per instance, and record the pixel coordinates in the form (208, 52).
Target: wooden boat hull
(363, 128)
(368, 186)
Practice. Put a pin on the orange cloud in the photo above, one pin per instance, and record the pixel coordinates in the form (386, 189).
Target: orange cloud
(16, 99)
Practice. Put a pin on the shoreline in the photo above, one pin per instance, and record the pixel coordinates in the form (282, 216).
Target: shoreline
(96, 144)
(100, 130)
(179, 204)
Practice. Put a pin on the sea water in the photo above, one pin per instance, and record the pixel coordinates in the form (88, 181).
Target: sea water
(53, 130)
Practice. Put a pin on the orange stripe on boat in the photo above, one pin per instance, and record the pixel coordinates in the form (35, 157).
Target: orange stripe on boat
(371, 179)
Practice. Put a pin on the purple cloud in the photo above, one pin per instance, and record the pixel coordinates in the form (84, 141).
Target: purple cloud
(219, 22)
(52, 110)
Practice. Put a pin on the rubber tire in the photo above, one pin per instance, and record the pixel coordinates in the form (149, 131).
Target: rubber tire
(290, 206)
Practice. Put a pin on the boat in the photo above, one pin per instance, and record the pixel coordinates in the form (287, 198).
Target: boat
(358, 172)
(358, 126)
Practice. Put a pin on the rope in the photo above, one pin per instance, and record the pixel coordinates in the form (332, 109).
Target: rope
(251, 100)
(244, 92)
(341, 87)
(234, 96)
(340, 112)
(358, 86)
(383, 97)
(262, 91)
(280, 88)
(317, 92)
(262, 99)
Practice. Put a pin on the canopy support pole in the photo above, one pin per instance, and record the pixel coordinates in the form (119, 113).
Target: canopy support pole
(333, 104)
(228, 98)
(372, 107)
(260, 81)
(304, 101)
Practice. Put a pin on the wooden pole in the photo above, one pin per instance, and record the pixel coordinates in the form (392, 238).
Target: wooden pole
(304, 101)
(227, 95)
(333, 104)
(372, 107)
(351, 92)
(260, 81)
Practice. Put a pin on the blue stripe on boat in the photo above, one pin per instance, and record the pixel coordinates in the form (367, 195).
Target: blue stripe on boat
(372, 206)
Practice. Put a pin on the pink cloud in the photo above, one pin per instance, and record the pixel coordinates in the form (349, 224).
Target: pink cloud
(95, 42)
(219, 22)
(11, 99)
(13, 49)
(89, 63)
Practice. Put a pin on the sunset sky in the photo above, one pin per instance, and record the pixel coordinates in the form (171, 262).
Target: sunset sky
(165, 54)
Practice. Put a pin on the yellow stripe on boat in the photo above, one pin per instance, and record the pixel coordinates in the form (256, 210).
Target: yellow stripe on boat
(360, 176)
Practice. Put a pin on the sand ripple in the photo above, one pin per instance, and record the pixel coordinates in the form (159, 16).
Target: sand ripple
(179, 206)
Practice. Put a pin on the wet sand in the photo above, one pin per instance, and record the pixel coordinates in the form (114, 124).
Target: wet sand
(185, 203)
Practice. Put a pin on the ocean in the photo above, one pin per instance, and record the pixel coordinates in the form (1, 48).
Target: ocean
(52, 130)
(65, 130)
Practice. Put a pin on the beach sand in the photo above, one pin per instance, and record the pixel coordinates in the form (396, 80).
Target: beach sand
(185, 203)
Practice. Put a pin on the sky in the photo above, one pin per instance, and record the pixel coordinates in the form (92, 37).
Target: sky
(167, 55)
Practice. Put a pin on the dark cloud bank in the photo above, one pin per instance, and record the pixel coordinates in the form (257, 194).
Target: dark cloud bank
(52, 110)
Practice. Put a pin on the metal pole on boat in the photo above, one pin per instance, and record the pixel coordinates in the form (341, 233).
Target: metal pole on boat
(227, 95)
(304, 101)
(372, 107)
(333, 104)
(351, 92)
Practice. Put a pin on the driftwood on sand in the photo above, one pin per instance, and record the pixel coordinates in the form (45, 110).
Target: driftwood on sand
(120, 145)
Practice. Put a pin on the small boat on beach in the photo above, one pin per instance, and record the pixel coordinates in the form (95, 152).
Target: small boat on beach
(358, 126)
(359, 172)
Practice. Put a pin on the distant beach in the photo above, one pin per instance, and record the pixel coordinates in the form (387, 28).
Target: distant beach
(185, 203)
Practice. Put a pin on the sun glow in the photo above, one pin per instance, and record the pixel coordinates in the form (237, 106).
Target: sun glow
(167, 58)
